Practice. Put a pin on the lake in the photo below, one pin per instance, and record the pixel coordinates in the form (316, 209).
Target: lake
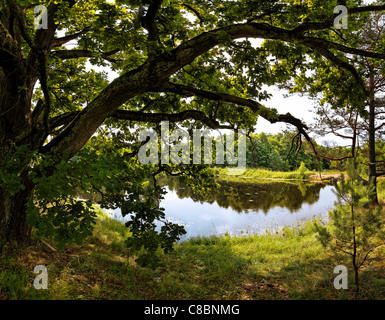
(244, 208)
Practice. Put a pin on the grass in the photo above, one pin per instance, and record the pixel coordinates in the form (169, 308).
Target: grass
(288, 265)
(381, 190)
(259, 174)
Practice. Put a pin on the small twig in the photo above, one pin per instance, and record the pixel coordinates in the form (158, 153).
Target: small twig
(49, 246)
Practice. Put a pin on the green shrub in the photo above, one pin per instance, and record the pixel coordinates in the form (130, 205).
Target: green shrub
(302, 168)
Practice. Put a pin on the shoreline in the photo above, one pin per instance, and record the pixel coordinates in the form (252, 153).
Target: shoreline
(326, 178)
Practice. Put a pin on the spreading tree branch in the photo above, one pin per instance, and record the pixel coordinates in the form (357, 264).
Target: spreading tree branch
(152, 74)
(138, 116)
(63, 40)
(75, 54)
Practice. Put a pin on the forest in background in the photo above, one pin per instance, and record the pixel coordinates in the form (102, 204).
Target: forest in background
(281, 152)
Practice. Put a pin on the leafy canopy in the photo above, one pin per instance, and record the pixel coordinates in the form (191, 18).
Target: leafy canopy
(196, 64)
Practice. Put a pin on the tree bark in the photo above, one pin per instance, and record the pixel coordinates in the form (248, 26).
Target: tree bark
(372, 175)
(354, 256)
(13, 214)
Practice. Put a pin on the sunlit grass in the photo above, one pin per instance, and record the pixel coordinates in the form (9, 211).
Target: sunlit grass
(109, 231)
(381, 190)
(290, 264)
(265, 174)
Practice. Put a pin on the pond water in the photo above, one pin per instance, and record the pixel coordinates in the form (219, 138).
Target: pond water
(243, 208)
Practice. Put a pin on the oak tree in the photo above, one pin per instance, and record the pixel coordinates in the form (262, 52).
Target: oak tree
(65, 127)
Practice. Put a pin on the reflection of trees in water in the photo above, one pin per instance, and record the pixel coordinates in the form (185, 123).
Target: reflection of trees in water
(254, 196)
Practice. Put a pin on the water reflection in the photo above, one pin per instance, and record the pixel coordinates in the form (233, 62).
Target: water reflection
(241, 208)
(254, 197)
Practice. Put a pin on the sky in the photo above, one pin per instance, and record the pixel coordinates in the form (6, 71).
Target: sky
(301, 107)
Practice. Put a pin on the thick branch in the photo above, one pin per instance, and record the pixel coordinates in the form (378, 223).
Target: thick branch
(75, 54)
(10, 56)
(317, 42)
(138, 116)
(375, 8)
(255, 106)
(196, 13)
(152, 74)
(171, 117)
(19, 15)
(329, 22)
(63, 40)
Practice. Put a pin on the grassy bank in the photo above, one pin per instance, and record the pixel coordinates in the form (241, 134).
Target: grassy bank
(263, 174)
(258, 174)
(290, 265)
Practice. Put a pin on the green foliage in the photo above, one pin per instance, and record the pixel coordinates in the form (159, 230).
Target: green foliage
(109, 230)
(107, 165)
(302, 168)
(15, 280)
(12, 284)
(347, 101)
(11, 178)
(277, 152)
(54, 209)
(64, 222)
(355, 228)
(107, 171)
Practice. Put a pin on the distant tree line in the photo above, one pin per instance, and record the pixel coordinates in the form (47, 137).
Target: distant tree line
(281, 152)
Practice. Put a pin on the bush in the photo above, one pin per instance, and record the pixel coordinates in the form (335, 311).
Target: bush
(302, 168)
